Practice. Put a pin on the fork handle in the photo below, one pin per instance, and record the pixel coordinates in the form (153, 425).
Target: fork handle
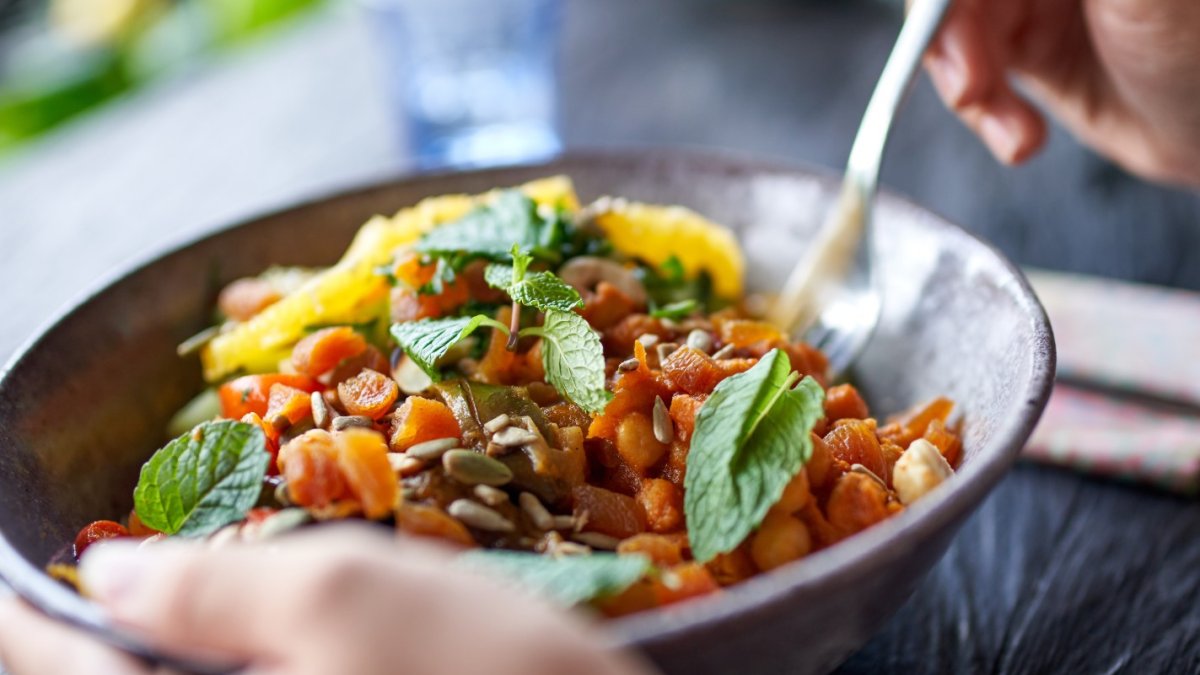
(901, 68)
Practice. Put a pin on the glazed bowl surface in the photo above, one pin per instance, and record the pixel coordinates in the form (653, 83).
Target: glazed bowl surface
(85, 403)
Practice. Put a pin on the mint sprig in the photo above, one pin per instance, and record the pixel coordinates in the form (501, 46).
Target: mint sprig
(490, 231)
(675, 310)
(541, 290)
(568, 580)
(751, 438)
(203, 480)
(574, 359)
(427, 341)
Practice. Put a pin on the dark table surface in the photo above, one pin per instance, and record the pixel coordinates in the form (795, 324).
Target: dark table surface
(1056, 572)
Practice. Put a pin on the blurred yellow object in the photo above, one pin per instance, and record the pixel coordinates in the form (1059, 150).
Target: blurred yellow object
(656, 233)
(92, 23)
(351, 291)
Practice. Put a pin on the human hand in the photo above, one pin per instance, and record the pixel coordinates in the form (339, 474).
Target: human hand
(337, 600)
(1122, 75)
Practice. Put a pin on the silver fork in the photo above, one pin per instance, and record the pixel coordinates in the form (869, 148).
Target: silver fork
(833, 294)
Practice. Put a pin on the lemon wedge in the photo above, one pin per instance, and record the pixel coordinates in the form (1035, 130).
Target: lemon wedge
(351, 291)
(655, 233)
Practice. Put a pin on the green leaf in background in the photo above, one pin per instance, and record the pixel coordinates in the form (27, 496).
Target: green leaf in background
(568, 580)
(490, 230)
(675, 310)
(573, 358)
(203, 480)
(751, 438)
(426, 341)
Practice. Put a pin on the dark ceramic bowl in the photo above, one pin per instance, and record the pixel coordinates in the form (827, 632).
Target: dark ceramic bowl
(83, 405)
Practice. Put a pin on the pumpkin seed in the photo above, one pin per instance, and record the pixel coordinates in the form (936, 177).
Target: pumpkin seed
(343, 422)
(430, 450)
(700, 339)
(512, 437)
(498, 423)
(532, 506)
(629, 365)
(473, 468)
(320, 410)
(478, 516)
(490, 495)
(664, 429)
(597, 540)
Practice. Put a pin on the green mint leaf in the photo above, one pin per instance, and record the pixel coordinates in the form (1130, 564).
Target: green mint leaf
(203, 480)
(490, 230)
(568, 580)
(751, 438)
(675, 310)
(521, 262)
(573, 358)
(672, 269)
(426, 341)
(542, 290)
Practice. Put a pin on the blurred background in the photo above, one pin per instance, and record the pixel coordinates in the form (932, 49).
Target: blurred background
(160, 118)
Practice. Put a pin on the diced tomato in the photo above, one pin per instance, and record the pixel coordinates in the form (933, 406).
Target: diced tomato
(98, 531)
(251, 393)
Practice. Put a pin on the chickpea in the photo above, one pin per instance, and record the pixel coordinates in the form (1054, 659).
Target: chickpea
(636, 442)
(780, 540)
(795, 495)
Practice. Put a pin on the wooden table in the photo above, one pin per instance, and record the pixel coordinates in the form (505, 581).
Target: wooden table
(1056, 571)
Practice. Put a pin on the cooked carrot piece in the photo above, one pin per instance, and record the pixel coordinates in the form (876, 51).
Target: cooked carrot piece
(856, 503)
(730, 568)
(362, 458)
(748, 334)
(290, 402)
(907, 427)
(618, 340)
(608, 512)
(663, 504)
(683, 414)
(694, 372)
(662, 550)
(688, 580)
(244, 298)
(409, 303)
(325, 349)
(946, 441)
(843, 402)
(420, 520)
(139, 529)
(639, 597)
(369, 393)
(854, 442)
(634, 391)
(309, 464)
(368, 358)
(422, 419)
(606, 306)
(251, 393)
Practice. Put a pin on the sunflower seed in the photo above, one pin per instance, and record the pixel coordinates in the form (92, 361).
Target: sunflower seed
(498, 423)
(320, 410)
(478, 516)
(472, 468)
(859, 468)
(404, 465)
(193, 344)
(664, 350)
(343, 422)
(723, 352)
(532, 506)
(281, 494)
(664, 429)
(569, 548)
(512, 437)
(700, 339)
(648, 340)
(434, 449)
(490, 495)
(280, 422)
(597, 540)
(280, 522)
(296, 430)
(565, 522)
(628, 365)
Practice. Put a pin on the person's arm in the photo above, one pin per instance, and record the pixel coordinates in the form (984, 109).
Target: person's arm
(1122, 75)
(339, 600)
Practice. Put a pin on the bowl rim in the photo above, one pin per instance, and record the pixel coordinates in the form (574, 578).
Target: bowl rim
(763, 594)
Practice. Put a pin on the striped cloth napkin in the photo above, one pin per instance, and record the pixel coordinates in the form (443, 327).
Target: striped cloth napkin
(1127, 401)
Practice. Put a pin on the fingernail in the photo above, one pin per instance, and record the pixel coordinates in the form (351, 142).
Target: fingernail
(948, 77)
(1000, 137)
(109, 571)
